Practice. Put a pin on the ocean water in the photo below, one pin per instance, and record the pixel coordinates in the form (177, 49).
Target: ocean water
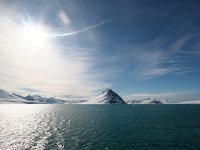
(99, 127)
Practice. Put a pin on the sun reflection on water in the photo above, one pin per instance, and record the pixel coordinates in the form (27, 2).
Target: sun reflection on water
(26, 126)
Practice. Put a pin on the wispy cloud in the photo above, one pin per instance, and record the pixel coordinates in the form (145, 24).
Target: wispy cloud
(152, 64)
(31, 90)
(152, 59)
(183, 72)
(82, 30)
(50, 68)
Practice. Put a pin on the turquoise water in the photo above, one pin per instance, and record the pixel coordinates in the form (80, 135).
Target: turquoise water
(52, 127)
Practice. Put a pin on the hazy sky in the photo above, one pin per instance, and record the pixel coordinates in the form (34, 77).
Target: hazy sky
(77, 47)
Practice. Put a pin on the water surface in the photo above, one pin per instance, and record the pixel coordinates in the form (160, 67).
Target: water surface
(51, 127)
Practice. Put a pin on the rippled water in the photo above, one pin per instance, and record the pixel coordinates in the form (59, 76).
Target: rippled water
(52, 127)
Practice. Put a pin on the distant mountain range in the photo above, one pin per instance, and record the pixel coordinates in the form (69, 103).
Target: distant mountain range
(148, 101)
(43, 100)
(6, 97)
(107, 96)
(40, 99)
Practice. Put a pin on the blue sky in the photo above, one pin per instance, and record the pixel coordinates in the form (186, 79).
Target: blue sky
(133, 46)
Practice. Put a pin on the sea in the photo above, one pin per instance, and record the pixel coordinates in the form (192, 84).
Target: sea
(99, 127)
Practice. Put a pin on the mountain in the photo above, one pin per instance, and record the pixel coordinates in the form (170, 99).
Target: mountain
(41, 100)
(107, 97)
(147, 101)
(6, 97)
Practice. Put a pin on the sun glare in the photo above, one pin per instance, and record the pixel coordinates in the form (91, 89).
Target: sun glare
(35, 34)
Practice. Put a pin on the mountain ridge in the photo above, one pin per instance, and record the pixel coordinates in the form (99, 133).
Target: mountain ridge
(6, 97)
(107, 96)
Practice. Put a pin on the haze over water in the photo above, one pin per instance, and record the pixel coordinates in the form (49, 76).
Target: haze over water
(49, 127)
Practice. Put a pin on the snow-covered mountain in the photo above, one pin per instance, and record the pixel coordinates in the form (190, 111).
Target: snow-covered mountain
(52, 100)
(6, 97)
(147, 101)
(107, 97)
(39, 99)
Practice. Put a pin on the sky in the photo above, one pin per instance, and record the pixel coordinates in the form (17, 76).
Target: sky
(74, 47)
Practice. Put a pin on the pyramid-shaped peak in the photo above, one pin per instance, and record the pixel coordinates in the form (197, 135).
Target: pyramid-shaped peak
(4, 92)
(6, 95)
(108, 90)
(107, 96)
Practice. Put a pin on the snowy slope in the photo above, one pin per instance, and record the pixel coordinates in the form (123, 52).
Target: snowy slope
(44, 100)
(107, 97)
(6, 97)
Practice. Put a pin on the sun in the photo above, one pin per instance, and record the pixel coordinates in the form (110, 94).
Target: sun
(35, 34)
